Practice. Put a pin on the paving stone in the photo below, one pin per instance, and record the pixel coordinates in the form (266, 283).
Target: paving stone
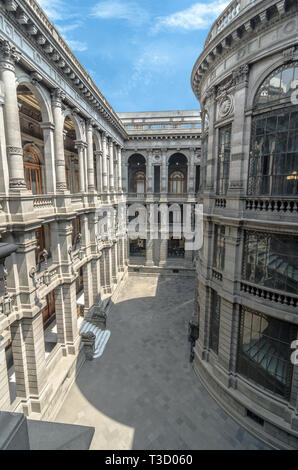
(143, 393)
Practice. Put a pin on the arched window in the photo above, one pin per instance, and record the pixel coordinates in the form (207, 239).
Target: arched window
(177, 183)
(140, 182)
(273, 167)
(32, 171)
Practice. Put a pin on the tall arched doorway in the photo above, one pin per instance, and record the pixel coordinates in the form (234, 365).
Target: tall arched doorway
(178, 172)
(137, 174)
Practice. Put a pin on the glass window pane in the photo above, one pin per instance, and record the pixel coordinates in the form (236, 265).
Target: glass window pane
(264, 352)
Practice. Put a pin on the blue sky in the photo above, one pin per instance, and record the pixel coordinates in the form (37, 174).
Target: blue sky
(140, 53)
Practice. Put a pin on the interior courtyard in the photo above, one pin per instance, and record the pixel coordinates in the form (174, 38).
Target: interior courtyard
(118, 330)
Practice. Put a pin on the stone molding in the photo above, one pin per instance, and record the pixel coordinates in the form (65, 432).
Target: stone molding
(235, 34)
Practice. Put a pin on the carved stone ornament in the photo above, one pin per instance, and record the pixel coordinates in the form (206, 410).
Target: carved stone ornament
(8, 53)
(205, 121)
(289, 53)
(57, 97)
(225, 106)
(14, 151)
(17, 183)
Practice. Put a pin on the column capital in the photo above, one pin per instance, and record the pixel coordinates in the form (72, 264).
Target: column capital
(90, 123)
(9, 56)
(47, 126)
(80, 145)
(57, 97)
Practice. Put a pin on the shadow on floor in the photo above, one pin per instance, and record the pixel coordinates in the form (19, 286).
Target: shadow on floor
(143, 393)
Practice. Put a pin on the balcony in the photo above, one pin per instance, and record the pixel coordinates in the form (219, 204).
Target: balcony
(272, 295)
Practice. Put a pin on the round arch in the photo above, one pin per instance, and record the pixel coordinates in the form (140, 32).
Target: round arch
(97, 140)
(41, 96)
(77, 125)
(267, 70)
(137, 173)
(178, 173)
(178, 153)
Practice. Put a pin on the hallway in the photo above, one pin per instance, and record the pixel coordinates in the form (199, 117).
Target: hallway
(143, 393)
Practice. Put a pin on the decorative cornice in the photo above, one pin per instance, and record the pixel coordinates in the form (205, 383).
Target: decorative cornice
(29, 18)
(250, 20)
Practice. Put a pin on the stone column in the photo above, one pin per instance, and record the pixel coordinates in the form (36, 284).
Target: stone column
(119, 149)
(111, 167)
(105, 164)
(91, 181)
(163, 253)
(88, 287)
(164, 174)
(191, 174)
(125, 241)
(149, 173)
(80, 146)
(212, 156)
(8, 58)
(4, 172)
(116, 179)
(99, 171)
(107, 258)
(149, 252)
(60, 319)
(57, 98)
(49, 156)
(102, 272)
(96, 278)
(29, 360)
(4, 381)
(125, 178)
(240, 140)
(114, 263)
(70, 315)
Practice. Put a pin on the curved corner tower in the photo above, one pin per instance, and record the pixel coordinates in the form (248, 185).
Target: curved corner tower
(247, 271)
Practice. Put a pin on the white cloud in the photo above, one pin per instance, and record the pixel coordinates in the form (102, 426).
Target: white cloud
(119, 10)
(54, 9)
(76, 46)
(198, 16)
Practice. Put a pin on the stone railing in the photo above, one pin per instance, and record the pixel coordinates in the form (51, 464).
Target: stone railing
(233, 10)
(43, 202)
(182, 126)
(221, 203)
(272, 295)
(217, 275)
(279, 205)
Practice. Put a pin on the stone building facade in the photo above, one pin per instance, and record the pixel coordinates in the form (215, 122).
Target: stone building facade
(247, 270)
(161, 167)
(64, 157)
(61, 148)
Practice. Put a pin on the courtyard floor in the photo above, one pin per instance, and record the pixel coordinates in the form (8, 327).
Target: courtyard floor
(143, 393)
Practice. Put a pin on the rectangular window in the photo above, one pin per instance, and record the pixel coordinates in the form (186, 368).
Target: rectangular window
(271, 261)
(273, 168)
(214, 321)
(156, 179)
(264, 354)
(219, 247)
(224, 156)
(76, 228)
(198, 178)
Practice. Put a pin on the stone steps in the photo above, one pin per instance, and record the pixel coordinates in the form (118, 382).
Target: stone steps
(102, 338)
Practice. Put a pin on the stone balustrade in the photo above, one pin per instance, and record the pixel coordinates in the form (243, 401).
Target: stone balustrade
(272, 295)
